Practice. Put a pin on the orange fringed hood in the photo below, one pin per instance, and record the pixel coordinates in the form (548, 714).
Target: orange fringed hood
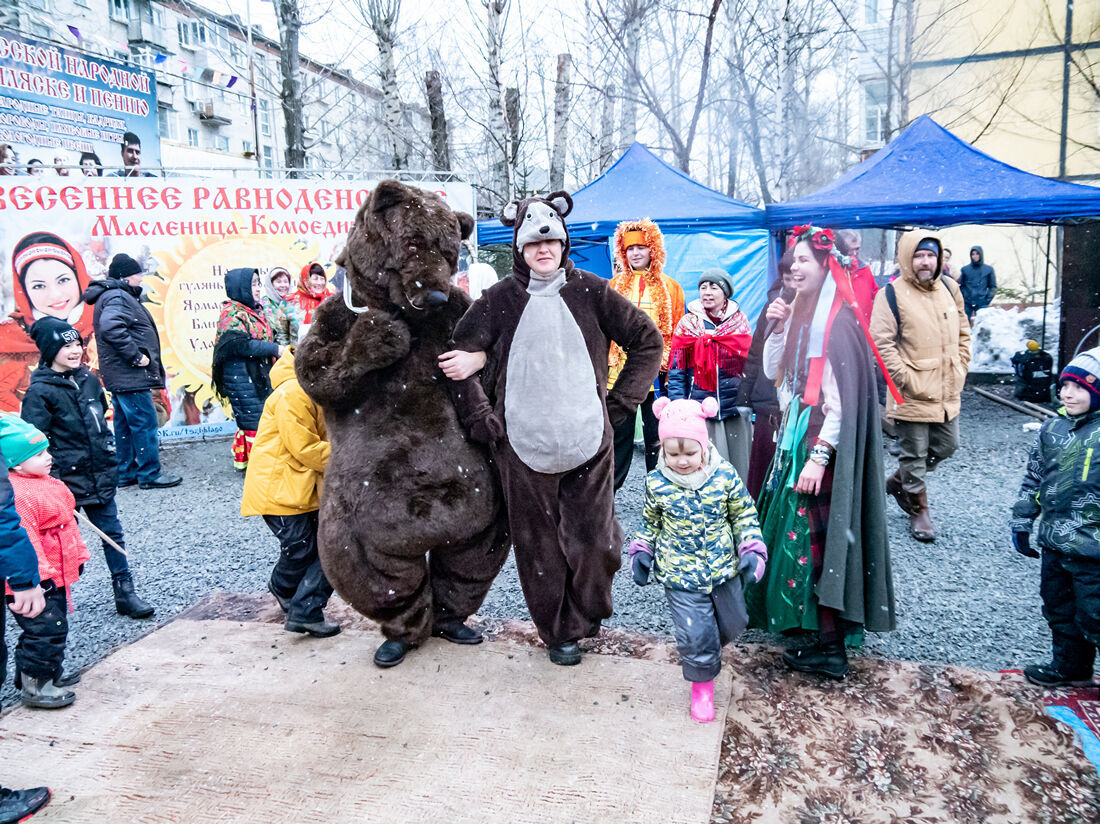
(621, 282)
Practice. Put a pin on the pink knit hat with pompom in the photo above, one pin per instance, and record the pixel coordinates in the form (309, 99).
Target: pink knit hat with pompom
(684, 418)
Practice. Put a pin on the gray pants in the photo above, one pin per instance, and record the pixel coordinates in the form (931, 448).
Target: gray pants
(922, 446)
(705, 622)
(732, 437)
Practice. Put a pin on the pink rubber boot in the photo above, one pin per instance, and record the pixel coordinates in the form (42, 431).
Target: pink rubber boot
(702, 701)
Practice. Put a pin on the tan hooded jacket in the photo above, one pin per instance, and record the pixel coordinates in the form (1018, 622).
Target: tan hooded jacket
(928, 353)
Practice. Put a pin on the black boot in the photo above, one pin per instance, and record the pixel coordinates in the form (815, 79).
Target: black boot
(457, 633)
(318, 629)
(565, 655)
(127, 601)
(391, 653)
(65, 679)
(1050, 676)
(829, 659)
(19, 805)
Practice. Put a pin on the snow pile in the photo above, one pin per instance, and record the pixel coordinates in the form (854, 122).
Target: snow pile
(998, 334)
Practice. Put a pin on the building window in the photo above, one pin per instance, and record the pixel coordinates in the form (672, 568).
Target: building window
(265, 117)
(39, 29)
(221, 143)
(268, 157)
(168, 121)
(193, 138)
(874, 111)
(192, 33)
(160, 18)
(246, 147)
(870, 12)
(120, 10)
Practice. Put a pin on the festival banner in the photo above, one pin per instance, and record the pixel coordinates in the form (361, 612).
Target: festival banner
(186, 234)
(57, 104)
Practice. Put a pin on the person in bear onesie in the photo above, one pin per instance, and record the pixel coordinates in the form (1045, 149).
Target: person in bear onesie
(548, 419)
(412, 531)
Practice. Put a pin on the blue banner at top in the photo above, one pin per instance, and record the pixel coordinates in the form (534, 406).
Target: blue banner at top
(60, 107)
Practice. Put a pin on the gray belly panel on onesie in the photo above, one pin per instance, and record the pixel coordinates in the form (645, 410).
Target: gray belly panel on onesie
(552, 407)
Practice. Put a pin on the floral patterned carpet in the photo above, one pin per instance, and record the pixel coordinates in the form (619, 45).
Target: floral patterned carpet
(896, 742)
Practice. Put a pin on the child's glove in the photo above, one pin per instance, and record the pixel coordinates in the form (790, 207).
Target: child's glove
(1021, 542)
(754, 556)
(641, 562)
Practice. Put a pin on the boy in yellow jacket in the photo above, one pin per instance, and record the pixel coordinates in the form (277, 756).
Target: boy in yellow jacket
(283, 485)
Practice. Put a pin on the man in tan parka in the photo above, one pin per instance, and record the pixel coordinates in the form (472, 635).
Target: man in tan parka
(919, 326)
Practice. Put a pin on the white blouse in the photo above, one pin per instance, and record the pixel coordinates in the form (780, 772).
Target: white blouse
(830, 392)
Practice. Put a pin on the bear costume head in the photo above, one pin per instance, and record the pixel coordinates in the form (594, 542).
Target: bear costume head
(535, 219)
(402, 251)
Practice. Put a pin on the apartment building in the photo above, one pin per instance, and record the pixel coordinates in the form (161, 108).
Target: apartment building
(205, 81)
(1018, 80)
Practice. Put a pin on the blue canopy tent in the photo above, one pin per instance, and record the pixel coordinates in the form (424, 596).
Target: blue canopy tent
(702, 228)
(928, 177)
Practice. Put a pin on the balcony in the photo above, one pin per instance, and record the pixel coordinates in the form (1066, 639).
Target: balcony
(144, 33)
(213, 112)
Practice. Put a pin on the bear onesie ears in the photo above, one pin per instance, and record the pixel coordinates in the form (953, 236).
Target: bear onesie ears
(537, 218)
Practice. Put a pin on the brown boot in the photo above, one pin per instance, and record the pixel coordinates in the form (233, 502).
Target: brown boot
(895, 490)
(920, 522)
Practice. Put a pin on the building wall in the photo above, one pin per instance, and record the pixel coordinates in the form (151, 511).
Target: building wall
(969, 75)
(203, 123)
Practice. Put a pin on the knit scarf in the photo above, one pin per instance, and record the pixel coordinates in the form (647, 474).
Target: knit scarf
(658, 293)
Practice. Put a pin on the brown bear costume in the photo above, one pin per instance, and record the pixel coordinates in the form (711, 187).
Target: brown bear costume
(549, 420)
(412, 531)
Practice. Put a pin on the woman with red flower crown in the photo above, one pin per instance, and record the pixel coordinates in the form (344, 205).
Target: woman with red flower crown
(822, 509)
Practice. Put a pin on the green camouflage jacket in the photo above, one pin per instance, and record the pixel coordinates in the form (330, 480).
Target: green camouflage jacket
(1062, 486)
(695, 534)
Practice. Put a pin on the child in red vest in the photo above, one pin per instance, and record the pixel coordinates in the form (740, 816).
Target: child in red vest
(45, 506)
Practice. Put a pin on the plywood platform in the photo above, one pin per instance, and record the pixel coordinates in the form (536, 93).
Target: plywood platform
(227, 721)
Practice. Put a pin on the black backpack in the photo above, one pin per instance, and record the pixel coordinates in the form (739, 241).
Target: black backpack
(892, 298)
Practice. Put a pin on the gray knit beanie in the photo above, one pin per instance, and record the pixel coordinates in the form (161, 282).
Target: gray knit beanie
(720, 277)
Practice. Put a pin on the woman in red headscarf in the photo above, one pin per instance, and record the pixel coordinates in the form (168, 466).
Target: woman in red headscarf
(822, 509)
(48, 278)
(312, 289)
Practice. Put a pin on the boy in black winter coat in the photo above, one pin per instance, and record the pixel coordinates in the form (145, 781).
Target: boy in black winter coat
(1062, 484)
(66, 401)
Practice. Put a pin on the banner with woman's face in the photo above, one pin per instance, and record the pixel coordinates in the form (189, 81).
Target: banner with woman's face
(56, 236)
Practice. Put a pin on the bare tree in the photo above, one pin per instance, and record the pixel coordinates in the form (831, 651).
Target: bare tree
(290, 25)
(381, 16)
(441, 150)
(561, 123)
(667, 112)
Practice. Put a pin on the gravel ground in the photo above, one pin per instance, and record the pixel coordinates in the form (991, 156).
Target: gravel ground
(966, 599)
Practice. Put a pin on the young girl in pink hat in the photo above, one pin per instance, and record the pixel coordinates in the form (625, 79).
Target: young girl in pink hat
(699, 537)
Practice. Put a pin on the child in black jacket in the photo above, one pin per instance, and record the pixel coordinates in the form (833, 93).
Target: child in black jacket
(66, 401)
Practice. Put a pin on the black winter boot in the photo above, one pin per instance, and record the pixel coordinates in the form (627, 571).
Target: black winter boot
(457, 633)
(565, 655)
(127, 601)
(19, 805)
(65, 679)
(829, 659)
(391, 653)
(1050, 676)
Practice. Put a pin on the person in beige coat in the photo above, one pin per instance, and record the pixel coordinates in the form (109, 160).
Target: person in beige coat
(919, 326)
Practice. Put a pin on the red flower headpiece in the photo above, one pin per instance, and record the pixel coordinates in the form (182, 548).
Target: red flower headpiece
(821, 239)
